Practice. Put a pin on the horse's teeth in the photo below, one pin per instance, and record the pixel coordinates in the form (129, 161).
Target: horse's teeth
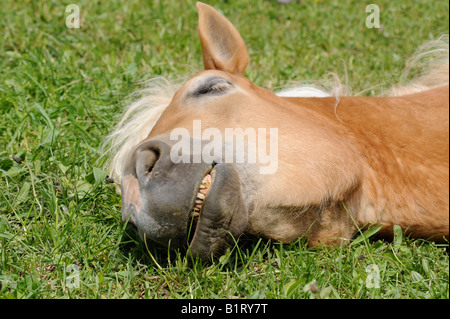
(200, 196)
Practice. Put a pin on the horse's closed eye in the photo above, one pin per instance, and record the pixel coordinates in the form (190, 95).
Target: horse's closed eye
(214, 86)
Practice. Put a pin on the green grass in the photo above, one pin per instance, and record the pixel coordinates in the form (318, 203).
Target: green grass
(62, 90)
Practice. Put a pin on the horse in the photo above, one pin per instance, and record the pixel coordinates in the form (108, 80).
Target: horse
(303, 163)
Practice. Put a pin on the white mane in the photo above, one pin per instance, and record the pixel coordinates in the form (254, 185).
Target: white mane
(304, 91)
(137, 121)
(430, 64)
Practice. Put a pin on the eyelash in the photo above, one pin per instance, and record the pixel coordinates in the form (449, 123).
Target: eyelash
(217, 87)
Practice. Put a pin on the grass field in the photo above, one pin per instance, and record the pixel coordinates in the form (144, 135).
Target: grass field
(61, 93)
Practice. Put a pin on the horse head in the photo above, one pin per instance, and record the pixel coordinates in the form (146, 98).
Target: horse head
(227, 157)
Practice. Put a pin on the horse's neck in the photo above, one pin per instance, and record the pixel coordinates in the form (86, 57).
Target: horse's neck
(409, 121)
(404, 144)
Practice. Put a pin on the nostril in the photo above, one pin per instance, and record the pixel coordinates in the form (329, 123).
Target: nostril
(145, 160)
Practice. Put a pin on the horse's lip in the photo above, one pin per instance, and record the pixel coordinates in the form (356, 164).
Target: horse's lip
(193, 226)
(224, 215)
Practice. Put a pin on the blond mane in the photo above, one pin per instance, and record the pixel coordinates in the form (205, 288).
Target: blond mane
(137, 121)
(428, 68)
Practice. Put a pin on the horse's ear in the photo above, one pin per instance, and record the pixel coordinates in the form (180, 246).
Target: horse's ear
(222, 46)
